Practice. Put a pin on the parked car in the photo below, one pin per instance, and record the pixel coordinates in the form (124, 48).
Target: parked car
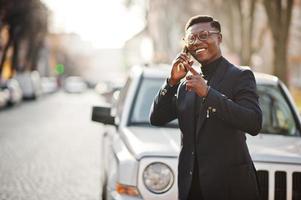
(4, 98)
(14, 89)
(109, 90)
(75, 84)
(30, 84)
(140, 160)
(49, 85)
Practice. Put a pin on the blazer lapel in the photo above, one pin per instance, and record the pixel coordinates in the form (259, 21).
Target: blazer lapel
(187, 108)
(202, 114)
(213, 83)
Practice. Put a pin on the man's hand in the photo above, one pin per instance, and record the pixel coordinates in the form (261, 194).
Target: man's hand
(179, 68)
(196, 83)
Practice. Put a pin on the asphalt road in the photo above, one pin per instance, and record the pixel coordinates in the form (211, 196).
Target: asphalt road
(49, 149)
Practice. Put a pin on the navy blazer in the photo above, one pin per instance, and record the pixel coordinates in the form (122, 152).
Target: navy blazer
(230, 109)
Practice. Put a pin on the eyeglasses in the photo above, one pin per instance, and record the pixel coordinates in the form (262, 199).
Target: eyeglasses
(190, 39)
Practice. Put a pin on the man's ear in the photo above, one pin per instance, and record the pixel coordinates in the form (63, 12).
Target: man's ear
(220, 38)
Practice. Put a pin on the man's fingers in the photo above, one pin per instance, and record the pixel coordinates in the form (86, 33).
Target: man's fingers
(189, 77)
(184, 56)
(189, 86)
(181, 66)
(190, 83)
(181, 59)
(190, 68)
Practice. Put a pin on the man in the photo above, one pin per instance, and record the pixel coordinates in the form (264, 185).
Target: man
(213, 115)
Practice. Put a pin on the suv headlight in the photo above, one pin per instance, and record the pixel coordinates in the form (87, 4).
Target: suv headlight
(158, 177)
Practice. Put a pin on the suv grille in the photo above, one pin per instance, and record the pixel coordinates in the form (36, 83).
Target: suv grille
(263, 179)
(279, 184)
(296, 185)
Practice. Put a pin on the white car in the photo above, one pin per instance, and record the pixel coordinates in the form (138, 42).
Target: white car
(140, 161)
(30, 84)
(109, 90)
(75, 84)
(4, 97)
(15, 91)
(49, 85)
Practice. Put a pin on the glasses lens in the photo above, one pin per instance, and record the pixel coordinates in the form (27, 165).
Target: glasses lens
(203, 35)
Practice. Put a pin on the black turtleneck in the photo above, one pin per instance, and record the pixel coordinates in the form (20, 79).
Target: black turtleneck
(209, 69)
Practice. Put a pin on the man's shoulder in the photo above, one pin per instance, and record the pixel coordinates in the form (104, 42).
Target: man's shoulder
(243, 68)
(239, 69)
(236, 72)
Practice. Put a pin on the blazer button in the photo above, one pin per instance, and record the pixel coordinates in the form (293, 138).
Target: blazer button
(190, 172)
(192, 153)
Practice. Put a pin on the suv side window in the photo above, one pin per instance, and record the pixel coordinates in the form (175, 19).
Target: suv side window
(147, 90)
(277, 115)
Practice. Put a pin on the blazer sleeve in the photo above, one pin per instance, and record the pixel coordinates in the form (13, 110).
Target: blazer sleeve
(243, 112)
(163, 109)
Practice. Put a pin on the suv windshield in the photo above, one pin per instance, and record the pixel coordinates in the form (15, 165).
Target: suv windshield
(277, 115)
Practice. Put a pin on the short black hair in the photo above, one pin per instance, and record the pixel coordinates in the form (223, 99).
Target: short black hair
(203, 19)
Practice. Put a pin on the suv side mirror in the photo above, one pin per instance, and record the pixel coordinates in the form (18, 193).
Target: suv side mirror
(102, 115)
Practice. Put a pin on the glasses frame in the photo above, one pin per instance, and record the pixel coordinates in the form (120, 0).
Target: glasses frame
(198, 36)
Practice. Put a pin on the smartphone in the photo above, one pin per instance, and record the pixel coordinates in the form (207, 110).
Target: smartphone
(186, 51)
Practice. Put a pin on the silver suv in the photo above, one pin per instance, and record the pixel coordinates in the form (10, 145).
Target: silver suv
(140, 161)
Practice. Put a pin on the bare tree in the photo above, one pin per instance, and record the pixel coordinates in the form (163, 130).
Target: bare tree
(239, 18)
(37, 30)
(27, 21)
(279, 14)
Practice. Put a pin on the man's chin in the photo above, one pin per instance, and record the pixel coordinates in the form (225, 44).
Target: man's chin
(200, 59)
